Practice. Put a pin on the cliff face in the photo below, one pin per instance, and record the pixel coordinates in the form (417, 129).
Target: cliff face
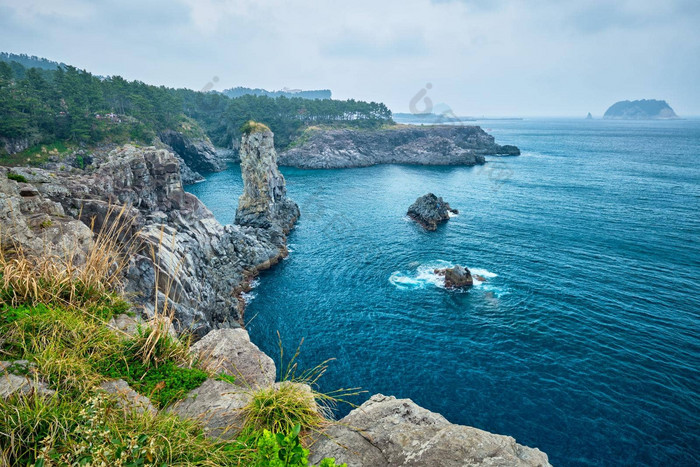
(264, 202)
(420, 145)
(205, 264)
(645, 109)
(197, 154)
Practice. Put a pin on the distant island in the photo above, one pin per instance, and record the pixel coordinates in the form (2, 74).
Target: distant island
(645, 109)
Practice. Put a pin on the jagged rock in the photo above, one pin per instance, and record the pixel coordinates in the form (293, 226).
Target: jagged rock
(197, 153)
(231, 351)
(385, 431)
(217, 405)
(264, 201)
(15, 145)
(457, 277)
(403, 144)
(429, 211)
(188, 175)
(127, 398)
(202, 263)
(36, 224)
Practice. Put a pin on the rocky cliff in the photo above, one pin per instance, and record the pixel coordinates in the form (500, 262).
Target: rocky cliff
(204, 264)
(404, 144)
(195, 152)
(264, 201)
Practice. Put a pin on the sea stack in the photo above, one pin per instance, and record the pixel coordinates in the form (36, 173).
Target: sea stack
(264, 202)
(430, 210)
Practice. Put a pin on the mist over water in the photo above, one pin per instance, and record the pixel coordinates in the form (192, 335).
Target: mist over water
(583, 339)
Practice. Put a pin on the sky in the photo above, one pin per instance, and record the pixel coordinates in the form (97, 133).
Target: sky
(473, 57)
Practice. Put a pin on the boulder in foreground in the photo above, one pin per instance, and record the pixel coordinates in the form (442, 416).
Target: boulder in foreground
(232, 352)
(385, 431)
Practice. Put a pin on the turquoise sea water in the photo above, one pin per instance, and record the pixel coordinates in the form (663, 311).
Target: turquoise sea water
(584, 340)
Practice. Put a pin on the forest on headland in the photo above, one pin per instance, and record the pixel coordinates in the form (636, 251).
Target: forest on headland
(48, 102)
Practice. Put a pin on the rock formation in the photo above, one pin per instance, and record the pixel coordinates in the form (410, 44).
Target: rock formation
(231, 351)
(457, 277)
(645, 109)
(385, 431)
(429, 211)
(35, 222)
(404, 144)
(196, 154)
(204, 264)
(264, 201)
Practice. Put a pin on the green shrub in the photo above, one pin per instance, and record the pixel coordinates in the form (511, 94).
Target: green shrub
(16, 177)
(163, 384)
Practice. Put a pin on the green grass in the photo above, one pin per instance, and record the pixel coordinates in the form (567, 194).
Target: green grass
(36, 155)
(163, 384)
(55, 316)
(253, 127)
(16, 177)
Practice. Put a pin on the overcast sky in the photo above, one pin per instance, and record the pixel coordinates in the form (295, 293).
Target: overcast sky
(481, 57)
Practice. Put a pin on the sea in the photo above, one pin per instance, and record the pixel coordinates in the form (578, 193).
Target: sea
(582, 338)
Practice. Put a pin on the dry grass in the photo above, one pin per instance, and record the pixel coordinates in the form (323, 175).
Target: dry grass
(67, 278)
(158, 342)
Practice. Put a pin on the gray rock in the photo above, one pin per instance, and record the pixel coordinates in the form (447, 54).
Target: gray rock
(429, 211)
(36, 224)
(197, 153)
(456, 277)
(385, 431)
(204, 265)
(403, 144)
(218, 405)
(264, 201)
(127, 398)
(125, 323)
(11, 384)
(231, 351)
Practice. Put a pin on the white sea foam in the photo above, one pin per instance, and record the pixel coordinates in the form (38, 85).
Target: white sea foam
(422, 276)
(248, 297)
(452, 214)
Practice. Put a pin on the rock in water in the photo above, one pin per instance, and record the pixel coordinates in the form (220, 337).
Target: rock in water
(402, 144)
(429, 211)
(385, 431)
(456, 277)
(264, 201)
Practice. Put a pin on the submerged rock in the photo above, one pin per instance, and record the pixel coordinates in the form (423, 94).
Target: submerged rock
(457, 277)
(429, 211)
(264, 201)
(385, 431)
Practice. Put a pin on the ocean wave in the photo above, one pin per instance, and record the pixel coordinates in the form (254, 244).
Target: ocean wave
(422, 276)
